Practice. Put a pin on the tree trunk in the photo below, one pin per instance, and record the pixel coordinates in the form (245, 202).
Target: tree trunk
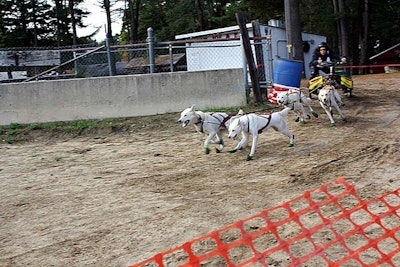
(35, 28)
(58, 18)
(199, 15)
(363, 38)
(343, 29)
(293, 30)
(107, 8)
(134, 18)
(73, 21)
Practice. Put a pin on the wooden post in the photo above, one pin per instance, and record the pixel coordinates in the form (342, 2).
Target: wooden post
(241, 20)
(259, 51)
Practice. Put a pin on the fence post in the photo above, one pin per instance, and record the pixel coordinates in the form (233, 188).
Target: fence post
(171, 58)
(150, 44)
(269, 60)
(111, 64)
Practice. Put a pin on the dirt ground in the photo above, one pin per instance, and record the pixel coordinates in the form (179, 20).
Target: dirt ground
(115, 199)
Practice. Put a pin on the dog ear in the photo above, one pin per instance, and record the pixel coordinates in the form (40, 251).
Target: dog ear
(192, 107)
(240, 112)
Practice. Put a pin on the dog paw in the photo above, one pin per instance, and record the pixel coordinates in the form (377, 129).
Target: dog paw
(207, 150)
(315, 114)
(291, 145)
(344, 119)
(249, 157)
(297, 119)
(218, 150)
(333, 124)
(232, 151)
(342, 104)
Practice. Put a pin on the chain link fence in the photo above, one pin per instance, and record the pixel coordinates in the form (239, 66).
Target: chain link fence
(45, 63)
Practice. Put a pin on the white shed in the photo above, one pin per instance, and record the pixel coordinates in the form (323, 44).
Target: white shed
(230, 53)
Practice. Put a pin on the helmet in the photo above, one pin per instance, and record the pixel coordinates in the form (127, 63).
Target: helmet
(323, 44)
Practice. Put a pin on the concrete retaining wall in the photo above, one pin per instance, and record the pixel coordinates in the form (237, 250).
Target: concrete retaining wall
(120, 96)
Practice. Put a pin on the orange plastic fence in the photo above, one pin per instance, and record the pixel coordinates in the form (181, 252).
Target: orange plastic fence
(330, 226)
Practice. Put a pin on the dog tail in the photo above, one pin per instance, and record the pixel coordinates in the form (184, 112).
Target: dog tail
(284, 112)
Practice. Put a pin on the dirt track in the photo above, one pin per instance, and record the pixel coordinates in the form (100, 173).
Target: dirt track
(117, 199)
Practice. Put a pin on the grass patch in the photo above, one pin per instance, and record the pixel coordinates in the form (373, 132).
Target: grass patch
(27, 132)
(23, 132)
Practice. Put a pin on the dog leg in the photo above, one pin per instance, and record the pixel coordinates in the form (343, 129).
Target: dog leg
(253, 147)
(303, 113)
(307, 101)
(315, 114)
(283, 129)
(221, 143)
(337, 97)
(239, 146)
(344, 119)
(207, 142)
(328, 112)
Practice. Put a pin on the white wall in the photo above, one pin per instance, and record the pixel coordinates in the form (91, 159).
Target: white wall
(119, 96)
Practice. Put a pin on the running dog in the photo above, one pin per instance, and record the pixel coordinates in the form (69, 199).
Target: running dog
(209, 122)
(327, 100)
(296, 100)
(253, 124)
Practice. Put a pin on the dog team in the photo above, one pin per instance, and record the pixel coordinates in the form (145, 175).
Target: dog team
(243, 125)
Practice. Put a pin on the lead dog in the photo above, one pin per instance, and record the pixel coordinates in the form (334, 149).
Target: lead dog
(208, 122)
(327, 100)
(296, 100)
(253, 124)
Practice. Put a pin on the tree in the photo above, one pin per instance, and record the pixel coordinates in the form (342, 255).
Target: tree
(293, 30)
(73, 21)
(25, 23)
(133, 15)
(342, 26)
(364, 32)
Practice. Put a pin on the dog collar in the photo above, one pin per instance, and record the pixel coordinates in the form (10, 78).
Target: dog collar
(200, 121)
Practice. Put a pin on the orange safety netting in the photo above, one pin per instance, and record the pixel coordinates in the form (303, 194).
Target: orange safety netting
(330, 226)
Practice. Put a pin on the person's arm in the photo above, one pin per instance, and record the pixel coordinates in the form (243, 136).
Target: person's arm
(314, 60)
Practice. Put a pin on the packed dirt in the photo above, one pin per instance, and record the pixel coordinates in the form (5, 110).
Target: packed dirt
(117, 198)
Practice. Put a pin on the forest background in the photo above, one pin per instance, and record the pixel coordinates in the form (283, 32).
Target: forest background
(356, 28)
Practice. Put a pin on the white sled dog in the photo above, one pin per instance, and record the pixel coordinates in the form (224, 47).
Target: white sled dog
(253, 124)
(208, 122)
(296, 100)
(327, 100)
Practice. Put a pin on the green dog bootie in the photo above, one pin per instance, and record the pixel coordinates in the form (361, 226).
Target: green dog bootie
(249, 157)
(232, 151)
(207, 150)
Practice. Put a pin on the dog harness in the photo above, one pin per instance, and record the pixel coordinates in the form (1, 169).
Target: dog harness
(201, 121)
(225, 120)
(268, 117)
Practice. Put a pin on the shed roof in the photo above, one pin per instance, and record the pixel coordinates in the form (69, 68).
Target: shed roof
(159, 60)
(229, 29)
